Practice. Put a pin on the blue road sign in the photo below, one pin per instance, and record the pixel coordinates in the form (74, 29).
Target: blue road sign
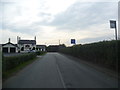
(72, 41)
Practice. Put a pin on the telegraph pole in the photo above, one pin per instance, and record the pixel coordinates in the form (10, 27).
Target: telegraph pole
(59, 41)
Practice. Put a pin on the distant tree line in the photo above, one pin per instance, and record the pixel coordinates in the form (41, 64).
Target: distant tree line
(55, 48)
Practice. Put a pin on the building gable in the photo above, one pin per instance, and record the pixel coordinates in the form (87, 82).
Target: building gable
(9, 45)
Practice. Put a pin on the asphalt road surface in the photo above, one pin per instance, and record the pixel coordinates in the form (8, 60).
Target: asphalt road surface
(55, 70)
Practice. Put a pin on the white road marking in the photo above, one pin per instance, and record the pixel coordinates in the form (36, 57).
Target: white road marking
(60, 74)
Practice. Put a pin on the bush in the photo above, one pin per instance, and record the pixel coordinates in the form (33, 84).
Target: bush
(102, 53)
(13, 61)
(40, 52)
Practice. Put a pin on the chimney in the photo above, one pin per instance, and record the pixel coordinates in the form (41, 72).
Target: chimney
(17, 39)
(9, 40)
(35, 38)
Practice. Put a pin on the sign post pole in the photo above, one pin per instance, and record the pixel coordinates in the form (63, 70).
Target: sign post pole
(73, 42)
(113, 25)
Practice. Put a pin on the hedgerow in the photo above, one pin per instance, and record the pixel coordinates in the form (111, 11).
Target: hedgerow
(40, 52)
(102, 53)
(13, 61)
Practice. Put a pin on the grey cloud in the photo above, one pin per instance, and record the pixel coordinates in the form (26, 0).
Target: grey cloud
(82, 15)
(77, 16)
(22, 29)
(96, 39)
(44, 14)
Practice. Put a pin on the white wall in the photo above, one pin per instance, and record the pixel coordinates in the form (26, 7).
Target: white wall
(9, 46)
(25, 49)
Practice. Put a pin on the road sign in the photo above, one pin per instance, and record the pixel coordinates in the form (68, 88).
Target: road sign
(112, 24)
(73, 41)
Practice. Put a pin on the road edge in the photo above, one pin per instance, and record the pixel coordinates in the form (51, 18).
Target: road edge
(95, 66)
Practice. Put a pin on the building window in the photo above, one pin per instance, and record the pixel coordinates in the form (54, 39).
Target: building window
(33, 48)
(22, 49)
(37, 48)
(27, 45)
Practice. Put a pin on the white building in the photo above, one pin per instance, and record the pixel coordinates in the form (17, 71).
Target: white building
(41, 47)
(9, 47)
(26, 45)
(21, 46)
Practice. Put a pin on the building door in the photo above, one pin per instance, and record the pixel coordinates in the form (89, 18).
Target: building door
(12, 50)
(5, 50)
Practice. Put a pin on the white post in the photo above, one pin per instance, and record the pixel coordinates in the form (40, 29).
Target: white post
(8, 49)
(116, 33)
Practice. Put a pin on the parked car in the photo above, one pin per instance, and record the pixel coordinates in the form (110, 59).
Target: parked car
(31, 51)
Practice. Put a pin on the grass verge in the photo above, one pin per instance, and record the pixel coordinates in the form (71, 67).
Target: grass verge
(13, 71)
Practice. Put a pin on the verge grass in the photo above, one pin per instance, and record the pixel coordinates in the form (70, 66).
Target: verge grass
(13, 71)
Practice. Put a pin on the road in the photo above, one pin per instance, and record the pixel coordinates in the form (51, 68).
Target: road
(55, 70)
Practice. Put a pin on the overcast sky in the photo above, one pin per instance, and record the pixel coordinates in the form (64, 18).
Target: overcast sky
(54, 20)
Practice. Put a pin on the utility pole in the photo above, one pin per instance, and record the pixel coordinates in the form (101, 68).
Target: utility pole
(59, 41)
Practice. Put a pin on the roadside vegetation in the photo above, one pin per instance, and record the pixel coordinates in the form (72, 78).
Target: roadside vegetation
(102, 53)
(13, 64)
(41, 52)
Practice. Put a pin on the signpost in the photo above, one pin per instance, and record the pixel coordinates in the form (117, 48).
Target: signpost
(113, 25)
(73, 41)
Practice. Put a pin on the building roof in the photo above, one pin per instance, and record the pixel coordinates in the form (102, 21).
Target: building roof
(10, 43)
(53, 46)
(26, 42)
(41, 46)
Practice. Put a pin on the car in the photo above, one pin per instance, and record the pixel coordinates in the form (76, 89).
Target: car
(31, 51)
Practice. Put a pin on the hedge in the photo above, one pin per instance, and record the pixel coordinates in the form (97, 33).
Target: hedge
(102, 53)
(40, 52)
(13, 61)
